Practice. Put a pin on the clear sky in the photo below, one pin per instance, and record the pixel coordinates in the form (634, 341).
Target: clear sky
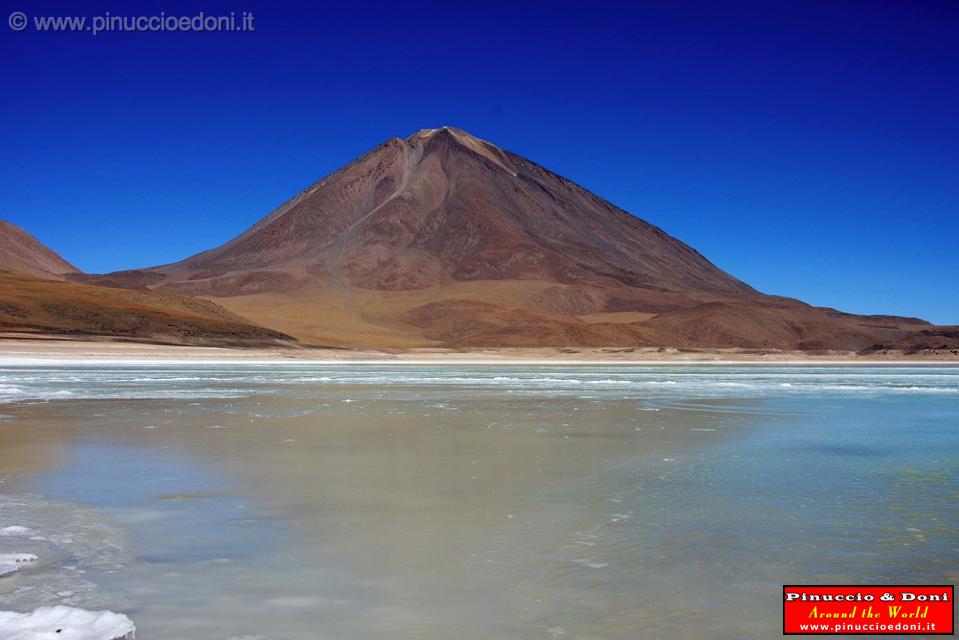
(808, 148)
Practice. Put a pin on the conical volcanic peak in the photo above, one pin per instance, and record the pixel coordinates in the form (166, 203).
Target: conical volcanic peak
(20, 252)
(463, 137)
(426, 133)
(435, 138)
(443, 238)
(444, 206)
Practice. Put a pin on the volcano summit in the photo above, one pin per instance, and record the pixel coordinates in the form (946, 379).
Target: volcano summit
(444, 239)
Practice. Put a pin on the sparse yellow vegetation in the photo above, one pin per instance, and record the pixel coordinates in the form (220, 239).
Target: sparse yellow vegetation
(32, 305)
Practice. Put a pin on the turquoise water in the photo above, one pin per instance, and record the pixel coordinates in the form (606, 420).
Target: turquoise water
(391, 501)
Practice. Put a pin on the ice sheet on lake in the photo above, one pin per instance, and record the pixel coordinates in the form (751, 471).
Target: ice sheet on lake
(65, 623)
(17, 558)
(10, 562)
(196, 381)
(75, 538)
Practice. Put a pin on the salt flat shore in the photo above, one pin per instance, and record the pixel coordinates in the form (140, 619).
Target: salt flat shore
(15, 350)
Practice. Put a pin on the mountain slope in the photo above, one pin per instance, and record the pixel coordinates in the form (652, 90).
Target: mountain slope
(446, 239)
(35, 299)
(22, 253)
(34, 305)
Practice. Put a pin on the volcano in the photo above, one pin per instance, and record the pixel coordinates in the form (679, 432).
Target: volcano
(445, 239)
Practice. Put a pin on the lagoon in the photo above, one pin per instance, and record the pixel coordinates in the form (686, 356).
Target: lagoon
(282, 501)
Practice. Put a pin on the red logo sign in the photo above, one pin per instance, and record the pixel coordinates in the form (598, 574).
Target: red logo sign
(872, 609)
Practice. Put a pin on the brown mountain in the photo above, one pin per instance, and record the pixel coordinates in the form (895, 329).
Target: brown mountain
(446, 239)
(22, 253)
(34, 299)
(31, 305)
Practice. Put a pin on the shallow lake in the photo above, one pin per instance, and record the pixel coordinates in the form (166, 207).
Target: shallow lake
(291, 501)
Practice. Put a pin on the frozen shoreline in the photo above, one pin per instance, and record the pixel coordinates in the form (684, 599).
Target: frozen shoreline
(46, 351)
(69, 623)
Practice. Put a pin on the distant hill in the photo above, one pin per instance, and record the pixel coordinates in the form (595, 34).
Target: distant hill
(22, 253)
(34, 305)
(34, 298)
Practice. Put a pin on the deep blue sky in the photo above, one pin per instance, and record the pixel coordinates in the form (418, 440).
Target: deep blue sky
(809, 148)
